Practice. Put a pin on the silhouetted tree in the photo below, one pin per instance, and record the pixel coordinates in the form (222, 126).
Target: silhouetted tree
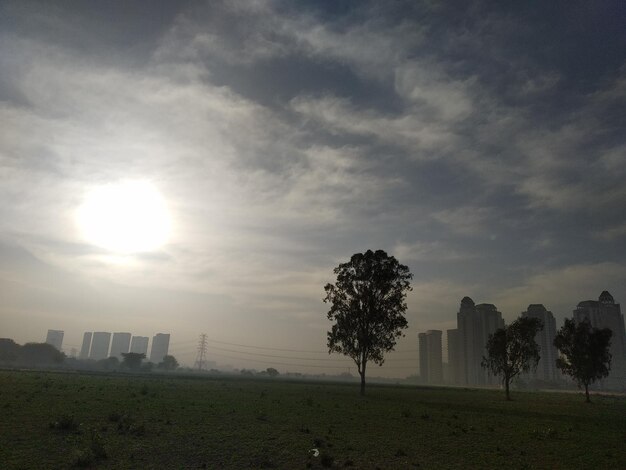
(367, 306)
(272, 372)
(168, 363)
(40, 354)
(133, 360)
(110, 363)
(9, 350)
(512, 350)
(584, 352)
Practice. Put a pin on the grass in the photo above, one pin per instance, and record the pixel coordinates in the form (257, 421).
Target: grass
(64, 420)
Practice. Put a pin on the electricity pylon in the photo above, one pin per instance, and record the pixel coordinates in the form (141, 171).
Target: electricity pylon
(201, 356)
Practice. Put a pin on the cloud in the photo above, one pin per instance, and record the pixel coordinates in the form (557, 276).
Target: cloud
(468, 220)
(611, 233)
(428, 251)
(560, 289)
(284, 139)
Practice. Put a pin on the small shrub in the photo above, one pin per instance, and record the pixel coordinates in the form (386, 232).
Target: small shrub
(114, 416)
(138, 429)
(127, 425)
(425, 416)
(97, 445)
(262, 462)
(317, 442)
(400, 453)
(82, 458)
(326, 460)
(406, 413)
(144, 389)
(65, 423)
(348, 463)
(551, 432)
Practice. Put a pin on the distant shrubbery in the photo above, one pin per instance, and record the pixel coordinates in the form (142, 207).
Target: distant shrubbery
(30, 354)
(46, 355)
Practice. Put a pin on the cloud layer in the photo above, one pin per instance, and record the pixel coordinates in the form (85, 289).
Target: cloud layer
(471, 143)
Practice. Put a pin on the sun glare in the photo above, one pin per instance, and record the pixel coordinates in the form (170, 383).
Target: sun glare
(126, 217)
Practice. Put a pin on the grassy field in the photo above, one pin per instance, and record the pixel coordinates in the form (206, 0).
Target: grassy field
(63, 420)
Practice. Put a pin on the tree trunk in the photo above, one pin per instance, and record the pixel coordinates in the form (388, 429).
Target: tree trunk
(506, 386)
(587, 393)
(362, 374)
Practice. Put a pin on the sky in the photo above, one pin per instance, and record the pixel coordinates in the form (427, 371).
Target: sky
(480, 143)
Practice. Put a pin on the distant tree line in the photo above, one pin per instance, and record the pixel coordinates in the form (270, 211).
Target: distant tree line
(46, 355)
(368, 306)
(584, 351)
(30, 354)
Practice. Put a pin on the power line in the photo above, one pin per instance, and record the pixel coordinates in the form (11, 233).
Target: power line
(301, 358)
(298, 365)
(406, 351)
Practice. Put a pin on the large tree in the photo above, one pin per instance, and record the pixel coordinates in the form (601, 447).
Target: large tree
(40, 354)
(368, 303)
(168, 363)
(512, 350)
(133, 360)
(584, 352)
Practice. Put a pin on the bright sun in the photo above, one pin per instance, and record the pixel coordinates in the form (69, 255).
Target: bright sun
(125, 217)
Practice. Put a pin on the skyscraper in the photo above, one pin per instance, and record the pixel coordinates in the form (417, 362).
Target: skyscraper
(119, 344)
(160, 346)
(454, 353)
(431, 365)
(84, 349)
(100, 345)
(546, 369)
(55, 338)
(423, 349)
(139, 344)
(475, 324)
(605, 313)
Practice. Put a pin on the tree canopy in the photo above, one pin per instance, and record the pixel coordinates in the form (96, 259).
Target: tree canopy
(133, 360)
(584, 352)
(272, 372)
(512, 350)
(168, 363)
(40, 354)
(9, 350)
(367, 306)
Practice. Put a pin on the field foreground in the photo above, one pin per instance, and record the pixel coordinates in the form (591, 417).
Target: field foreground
(58, 420)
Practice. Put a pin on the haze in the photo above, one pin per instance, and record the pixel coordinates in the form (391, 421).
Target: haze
(483, 147)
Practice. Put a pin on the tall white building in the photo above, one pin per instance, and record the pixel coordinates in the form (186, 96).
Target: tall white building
(475, 324)
(100, 345)
(120, 344)
(55, 338)
(139, 344)
(605, 313)
(546, 368)
(454, 359)
(160, 347)
(86, 347)
(431, 364)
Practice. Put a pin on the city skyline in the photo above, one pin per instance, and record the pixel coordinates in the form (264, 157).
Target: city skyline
(203, 166)
(455, 361)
